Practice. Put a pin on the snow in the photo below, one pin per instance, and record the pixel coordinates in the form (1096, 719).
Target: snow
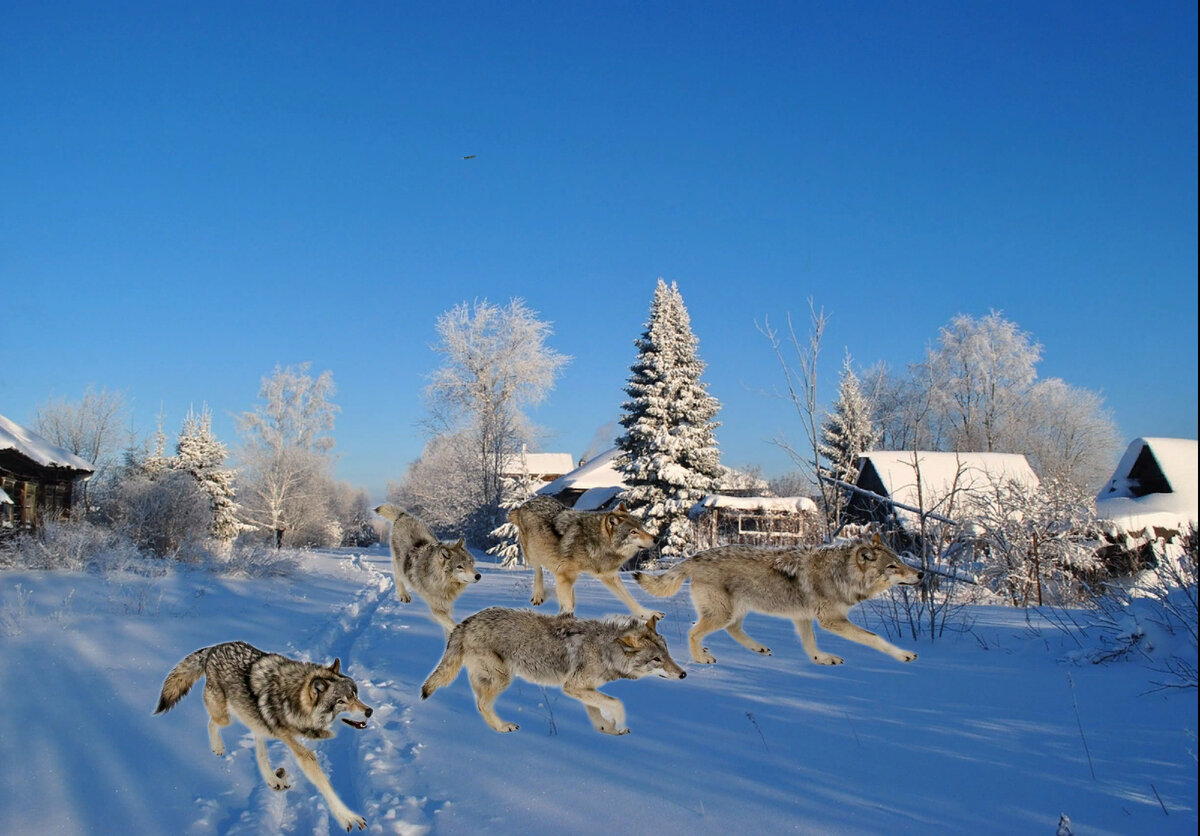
(36, 448)
(776, 504)
(998, 728)
(1177, 459)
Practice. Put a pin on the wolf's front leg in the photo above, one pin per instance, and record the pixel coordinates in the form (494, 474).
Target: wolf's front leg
(444, 618)
(346, 817)
(401, 590)
(847, 629)
(276, 779)
(613, 581)
(607, 706)
(809, 639)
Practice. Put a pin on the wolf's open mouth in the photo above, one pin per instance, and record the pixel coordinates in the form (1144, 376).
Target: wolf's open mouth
(358, 724)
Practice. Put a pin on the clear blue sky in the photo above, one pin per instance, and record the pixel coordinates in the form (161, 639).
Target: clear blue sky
(193, 193)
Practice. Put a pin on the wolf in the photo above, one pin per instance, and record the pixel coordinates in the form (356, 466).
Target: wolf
(437, 571)
(569, 543)
(579, 655)
(275, 697)
(801, 584)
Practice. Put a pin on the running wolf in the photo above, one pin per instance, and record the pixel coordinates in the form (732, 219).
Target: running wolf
(570, 542)
(801, 584)
(276, 697)
(437, 571)
(579, 655)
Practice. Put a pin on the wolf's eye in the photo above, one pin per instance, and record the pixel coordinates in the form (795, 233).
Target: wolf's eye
(656, 659)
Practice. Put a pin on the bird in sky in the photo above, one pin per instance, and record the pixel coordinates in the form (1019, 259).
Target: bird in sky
(469, 157)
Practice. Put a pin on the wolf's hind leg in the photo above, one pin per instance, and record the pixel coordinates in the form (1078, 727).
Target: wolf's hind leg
(708, 622)
(218, 716)
(276, 779)
(487, 687)
(539, 585)
(735, 630)
(809, 639)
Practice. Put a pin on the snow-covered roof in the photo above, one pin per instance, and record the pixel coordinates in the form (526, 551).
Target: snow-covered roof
(600, 472)
(539, 464)
(5, 499)
(593, 499)
(1135, 498)
(940, 473)
(775, 504)
(36, 448)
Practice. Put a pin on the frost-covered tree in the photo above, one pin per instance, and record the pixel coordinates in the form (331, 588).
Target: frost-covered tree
(846, 433)
(669, 450)
(89, 428)
(495, 363)
(202, 456)
(285, 457)
(977, 391)
(978, 374)
(442, 486)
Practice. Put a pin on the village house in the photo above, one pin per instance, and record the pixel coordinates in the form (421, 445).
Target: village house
(1154, 488)
(38, 480)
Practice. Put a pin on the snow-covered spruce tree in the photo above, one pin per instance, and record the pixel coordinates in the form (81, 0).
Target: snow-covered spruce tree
(202, 456)
(668, 450)
(846, 433)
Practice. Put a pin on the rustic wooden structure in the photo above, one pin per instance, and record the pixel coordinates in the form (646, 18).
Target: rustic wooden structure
(38, 479)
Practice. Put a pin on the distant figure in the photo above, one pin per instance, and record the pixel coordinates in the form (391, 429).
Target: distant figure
(469, 157)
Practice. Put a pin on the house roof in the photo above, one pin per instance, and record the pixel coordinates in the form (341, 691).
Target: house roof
(37, 449)
(600, 472)
(539, 464)
(776, 504)
(940, 473)
(1134, 498)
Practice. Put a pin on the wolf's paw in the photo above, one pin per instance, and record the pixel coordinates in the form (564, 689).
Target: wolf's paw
(765, 651)
(218, 749)
(279, 782)
(405, 597)
(704, 657)
(827, 659)
(537, 600)
(655, 614)
(507, 727)
(905, 656)
(351, 820)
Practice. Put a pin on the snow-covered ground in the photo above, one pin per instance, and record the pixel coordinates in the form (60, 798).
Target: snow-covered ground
(993, 730)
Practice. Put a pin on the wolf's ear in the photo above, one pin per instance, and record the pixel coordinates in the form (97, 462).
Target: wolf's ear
(630, 642)
(336, 667)
(319, 686)
(621, 509)
(611, 522)
(876, 540)
(866, 551)
(650, 622)
(459, 544)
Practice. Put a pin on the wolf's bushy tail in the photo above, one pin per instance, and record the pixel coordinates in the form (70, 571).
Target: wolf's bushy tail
(668, 583)
(448, 668)
(181, 679)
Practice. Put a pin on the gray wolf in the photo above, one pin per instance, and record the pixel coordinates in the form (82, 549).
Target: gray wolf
(800, 584)
(569, 543)
(437, 571)
(275, 697)
(579, 655)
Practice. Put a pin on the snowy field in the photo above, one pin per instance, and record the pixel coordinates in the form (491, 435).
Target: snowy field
(994, 730)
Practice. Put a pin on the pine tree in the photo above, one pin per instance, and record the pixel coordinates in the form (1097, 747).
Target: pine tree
(846, 433)
(202, 456)
(669, 449)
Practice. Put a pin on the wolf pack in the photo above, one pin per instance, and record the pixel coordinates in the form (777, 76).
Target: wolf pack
(290, 700)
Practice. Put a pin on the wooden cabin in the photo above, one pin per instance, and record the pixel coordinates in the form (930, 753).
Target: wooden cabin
(38, 479)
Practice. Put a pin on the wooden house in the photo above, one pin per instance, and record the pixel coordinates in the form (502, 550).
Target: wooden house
(38, 479)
